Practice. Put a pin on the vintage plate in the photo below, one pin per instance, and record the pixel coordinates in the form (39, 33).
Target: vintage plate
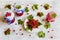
(55, 26)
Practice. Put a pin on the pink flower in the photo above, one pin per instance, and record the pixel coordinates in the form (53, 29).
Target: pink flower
(50, 17)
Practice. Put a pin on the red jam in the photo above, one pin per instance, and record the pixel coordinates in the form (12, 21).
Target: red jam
(19, 12)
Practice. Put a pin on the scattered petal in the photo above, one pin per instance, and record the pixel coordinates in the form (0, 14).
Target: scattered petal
(7, 32)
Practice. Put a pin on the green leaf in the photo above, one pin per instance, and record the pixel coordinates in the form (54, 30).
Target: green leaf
(35, 6)
(47, 25)
(18, 6)
(39, 23)
(46, 6)
(28, 28)
(26, 9)
(20, 21)
(40, 14)
(41, 34)
(53, 15)
(30, 17)
(7, 32)
(8, 6)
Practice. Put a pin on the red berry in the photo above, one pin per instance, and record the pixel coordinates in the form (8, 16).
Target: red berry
(8, 14)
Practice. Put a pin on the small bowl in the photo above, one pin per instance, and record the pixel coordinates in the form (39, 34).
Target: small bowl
(19, 11)
(9, 16)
